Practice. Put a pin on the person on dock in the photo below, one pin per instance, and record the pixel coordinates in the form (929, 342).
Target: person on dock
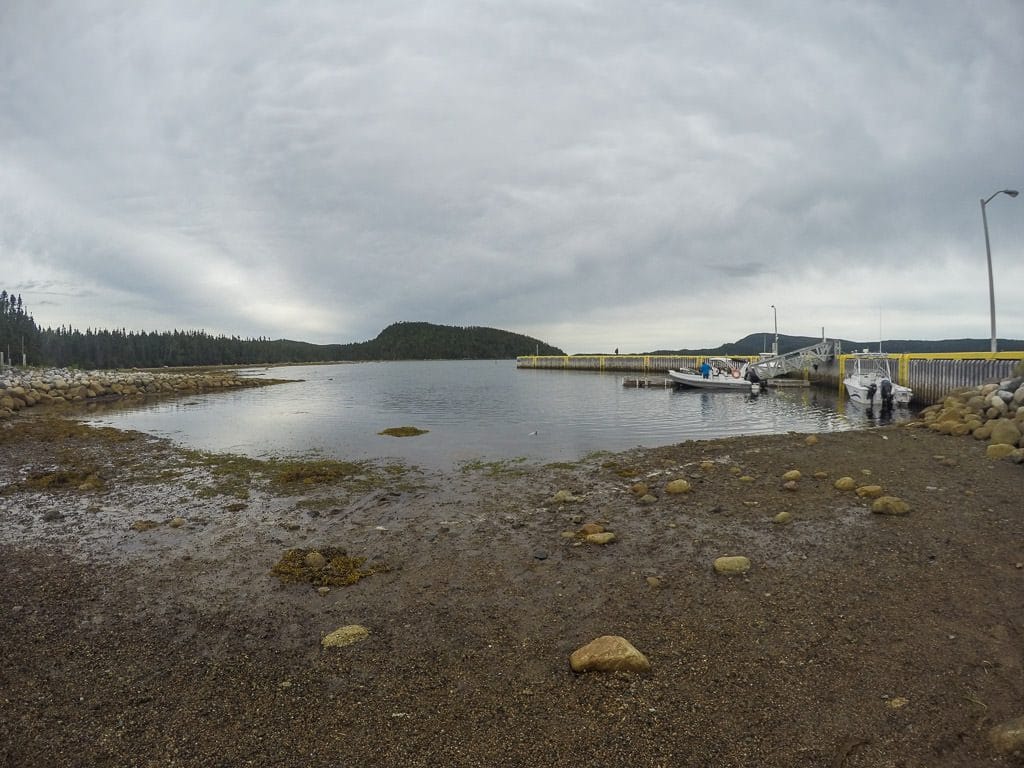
(705, 369)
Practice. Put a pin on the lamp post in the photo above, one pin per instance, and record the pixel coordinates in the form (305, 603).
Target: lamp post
(988, 257)
(775, 348)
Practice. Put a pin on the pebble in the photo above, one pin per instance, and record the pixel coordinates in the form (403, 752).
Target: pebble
(782, 518)
(653, 581)
(600, 538)
(347, 635)
(609, 653)
(793, 474)
(677, 486)
(540, 554)
(846, 484)
(315, 560)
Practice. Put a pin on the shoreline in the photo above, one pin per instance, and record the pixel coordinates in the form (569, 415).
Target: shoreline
(855, 639)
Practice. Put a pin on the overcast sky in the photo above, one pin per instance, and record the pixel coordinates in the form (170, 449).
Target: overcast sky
(596, 174)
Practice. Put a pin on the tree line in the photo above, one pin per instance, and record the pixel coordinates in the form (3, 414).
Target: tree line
(66, 346)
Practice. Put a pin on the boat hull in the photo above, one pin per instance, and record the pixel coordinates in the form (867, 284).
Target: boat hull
(720, 381)
(858, 392)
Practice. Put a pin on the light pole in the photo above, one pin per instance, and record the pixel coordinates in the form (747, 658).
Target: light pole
(775, 349)
(988, 256)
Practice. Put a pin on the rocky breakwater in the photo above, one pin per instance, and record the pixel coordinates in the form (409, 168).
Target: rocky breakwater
(990, 412)
(20, 389)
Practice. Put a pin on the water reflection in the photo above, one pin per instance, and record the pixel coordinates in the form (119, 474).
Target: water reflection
(474, 410)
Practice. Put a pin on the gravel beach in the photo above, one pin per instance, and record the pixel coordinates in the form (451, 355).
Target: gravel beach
(143, 625)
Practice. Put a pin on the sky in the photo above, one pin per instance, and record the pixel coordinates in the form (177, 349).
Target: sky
(598, 175)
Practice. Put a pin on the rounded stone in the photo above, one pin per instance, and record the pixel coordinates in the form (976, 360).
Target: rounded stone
(1008, 737)
(783, 518)
(732, 565)
(793, 474)
(890, 505)
(347, 635)
(315, 560)
(600, 538)
(846, 484)
(870, 491)
(609, 653)
(677, 486)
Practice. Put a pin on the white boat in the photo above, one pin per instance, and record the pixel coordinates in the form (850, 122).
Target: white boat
(868, 376)
(724, 373)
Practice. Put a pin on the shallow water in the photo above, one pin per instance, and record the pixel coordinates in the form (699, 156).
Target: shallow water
(474, 410)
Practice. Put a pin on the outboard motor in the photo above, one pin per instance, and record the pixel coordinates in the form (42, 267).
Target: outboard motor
(886, 388)
(872, 388)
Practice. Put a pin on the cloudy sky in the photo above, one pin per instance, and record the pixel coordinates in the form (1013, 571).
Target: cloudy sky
(596, 174)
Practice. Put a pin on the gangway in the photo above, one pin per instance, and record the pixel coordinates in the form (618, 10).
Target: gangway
(797, 360)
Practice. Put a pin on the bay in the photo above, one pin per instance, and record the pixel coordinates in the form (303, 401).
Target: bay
(473, 411)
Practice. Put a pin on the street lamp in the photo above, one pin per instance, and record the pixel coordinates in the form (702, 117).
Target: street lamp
(775, 350)
(988, 256)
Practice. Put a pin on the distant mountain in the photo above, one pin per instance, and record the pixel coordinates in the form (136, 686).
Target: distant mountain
(426, 341)
(756, 343)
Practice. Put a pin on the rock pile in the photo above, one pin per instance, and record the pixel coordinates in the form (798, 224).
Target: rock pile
(990, 412)
(21, 389)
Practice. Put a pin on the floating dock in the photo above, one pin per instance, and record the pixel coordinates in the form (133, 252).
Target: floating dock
(660, 383)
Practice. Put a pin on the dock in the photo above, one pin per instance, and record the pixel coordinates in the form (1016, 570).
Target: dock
(648, 383)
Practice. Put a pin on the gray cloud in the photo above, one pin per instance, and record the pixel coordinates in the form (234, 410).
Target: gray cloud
(588, 173)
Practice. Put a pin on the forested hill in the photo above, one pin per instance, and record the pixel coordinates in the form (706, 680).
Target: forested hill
(755, 343)
(119, 348)
(426, 341)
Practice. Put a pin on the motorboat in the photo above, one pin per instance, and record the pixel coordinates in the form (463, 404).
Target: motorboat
(868, 378)
(723, 373)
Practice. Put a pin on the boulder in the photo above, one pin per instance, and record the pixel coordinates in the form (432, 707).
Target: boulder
(609, 653)
(999, 450)
(1005, 431)
(1008, 737)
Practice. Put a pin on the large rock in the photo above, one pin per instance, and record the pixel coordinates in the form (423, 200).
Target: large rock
(1005, 431)
(1008, 737)
(609, 653)
(999, 450)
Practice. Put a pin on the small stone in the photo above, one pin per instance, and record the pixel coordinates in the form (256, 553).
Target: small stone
(653, 581)
(820, 475)
(315, 560)
(811, 440)
(890, 505)
(648, 499)
(177, 522)
(564, 497)
(898, 702)
(677, 486)
(590, 528)
(638, 489)
(609, 653)
(568, 534)
(846, 484)
(576, 519)
(732, 565)
(540, 554)
(347, 635)
(707, 466)
(600, 538)
(783, 518)
(746, 479)
(735, 471)
(793, 474)
(144, 525)
(870, 491)
(791, 485)
(323, 590)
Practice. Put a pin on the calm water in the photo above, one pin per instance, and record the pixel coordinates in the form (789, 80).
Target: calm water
(474, 410)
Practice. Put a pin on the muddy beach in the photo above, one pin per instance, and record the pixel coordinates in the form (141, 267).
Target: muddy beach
(142, 624)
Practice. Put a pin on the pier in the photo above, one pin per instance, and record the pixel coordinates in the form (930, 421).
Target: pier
(931, 376)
